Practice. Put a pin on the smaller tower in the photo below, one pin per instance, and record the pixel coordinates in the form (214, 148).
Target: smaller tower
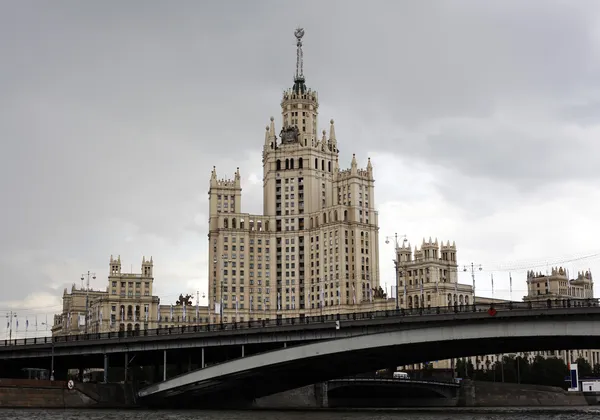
(448, 252)
(115, 265)
(404, 254)
(225, 195)
(147, 266)
(430, 249)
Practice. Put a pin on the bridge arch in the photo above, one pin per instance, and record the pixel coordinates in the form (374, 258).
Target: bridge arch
(316, 362)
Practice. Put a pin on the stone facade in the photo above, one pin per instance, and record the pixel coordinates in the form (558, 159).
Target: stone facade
(429, 276)
(541, 287)
(127, 304)
(557, 285)
(314, 249)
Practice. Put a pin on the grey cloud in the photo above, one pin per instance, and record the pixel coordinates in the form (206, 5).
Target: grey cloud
(113, 113)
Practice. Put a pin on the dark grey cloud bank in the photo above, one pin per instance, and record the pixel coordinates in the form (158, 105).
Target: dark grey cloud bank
(114, 112)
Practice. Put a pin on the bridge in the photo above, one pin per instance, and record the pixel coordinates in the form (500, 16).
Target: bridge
(380, 392)
(255, 359)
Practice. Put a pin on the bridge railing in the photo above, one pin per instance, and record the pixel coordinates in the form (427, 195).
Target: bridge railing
(352, 379)
(493, 308)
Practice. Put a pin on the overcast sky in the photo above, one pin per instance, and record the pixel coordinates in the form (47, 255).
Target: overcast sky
(481, 120)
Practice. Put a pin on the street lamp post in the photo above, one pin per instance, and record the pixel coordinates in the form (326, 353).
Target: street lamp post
(87, 295)
(222, 281)
(396, 262)
(9, 318)
(472, 268)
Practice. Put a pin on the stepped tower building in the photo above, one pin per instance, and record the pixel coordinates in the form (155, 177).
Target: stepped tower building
(315, 247)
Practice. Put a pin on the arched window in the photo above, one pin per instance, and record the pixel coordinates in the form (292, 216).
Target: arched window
(323, 165)
(278, 166)
(241, 223)
(266, 225)
(345, 215)
(324, 218)
(300, 163)
(335, 215)
(291, 163)
(287, 164)
(329, 165)
(226, 223)
(233, 223)
(316, 163)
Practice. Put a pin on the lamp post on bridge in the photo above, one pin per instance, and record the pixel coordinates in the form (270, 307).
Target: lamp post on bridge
(87, 296)
(223, 262)
(472, 268)
(396, 262)
(9, 323)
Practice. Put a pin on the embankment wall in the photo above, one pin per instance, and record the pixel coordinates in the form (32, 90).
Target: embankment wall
(498, 394)
(26, 393)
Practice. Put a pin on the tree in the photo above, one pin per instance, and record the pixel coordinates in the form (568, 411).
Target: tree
(460, 368)
(427, 370)
(584, 368)
(596, 370)
(540, 371)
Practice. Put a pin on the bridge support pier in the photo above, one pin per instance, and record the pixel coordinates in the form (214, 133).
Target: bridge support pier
(284, 345)
(164, 365)
(242, 350)
(125, 368)
(202, 359)
(105, 368)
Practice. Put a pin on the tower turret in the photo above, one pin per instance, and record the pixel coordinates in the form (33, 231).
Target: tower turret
(115, 265)
(147, 266)
(332, 139)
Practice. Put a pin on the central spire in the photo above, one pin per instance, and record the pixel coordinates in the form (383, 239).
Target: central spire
(299, 85)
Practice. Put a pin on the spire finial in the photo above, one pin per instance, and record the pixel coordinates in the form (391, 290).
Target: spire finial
(299, 85)
(299, 33)
(332, 132)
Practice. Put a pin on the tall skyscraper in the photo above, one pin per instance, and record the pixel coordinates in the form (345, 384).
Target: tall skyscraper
(315, 247)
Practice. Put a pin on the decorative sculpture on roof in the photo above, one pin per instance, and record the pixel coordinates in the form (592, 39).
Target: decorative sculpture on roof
(378, 293)
(289, 135)
(187, 300)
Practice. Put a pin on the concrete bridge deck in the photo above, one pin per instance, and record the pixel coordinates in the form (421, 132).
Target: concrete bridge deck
(304, 329)
(275, 371)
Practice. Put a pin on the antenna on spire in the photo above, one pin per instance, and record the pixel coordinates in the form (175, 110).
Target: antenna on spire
(299, 33)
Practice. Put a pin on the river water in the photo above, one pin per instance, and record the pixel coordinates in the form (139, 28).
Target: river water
(568, 413)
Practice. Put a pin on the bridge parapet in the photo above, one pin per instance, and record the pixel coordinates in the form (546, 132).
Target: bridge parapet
(402, 315)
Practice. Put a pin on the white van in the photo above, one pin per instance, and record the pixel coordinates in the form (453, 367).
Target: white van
(400, 375)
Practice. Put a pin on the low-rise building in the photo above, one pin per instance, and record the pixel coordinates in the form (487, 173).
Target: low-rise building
(127, 304)
(555, 285)
(429, 276)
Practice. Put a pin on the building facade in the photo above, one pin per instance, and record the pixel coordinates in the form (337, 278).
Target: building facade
(429, 276)
(553, 285)
(315, 247)
(127, 304)
(557, 285)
